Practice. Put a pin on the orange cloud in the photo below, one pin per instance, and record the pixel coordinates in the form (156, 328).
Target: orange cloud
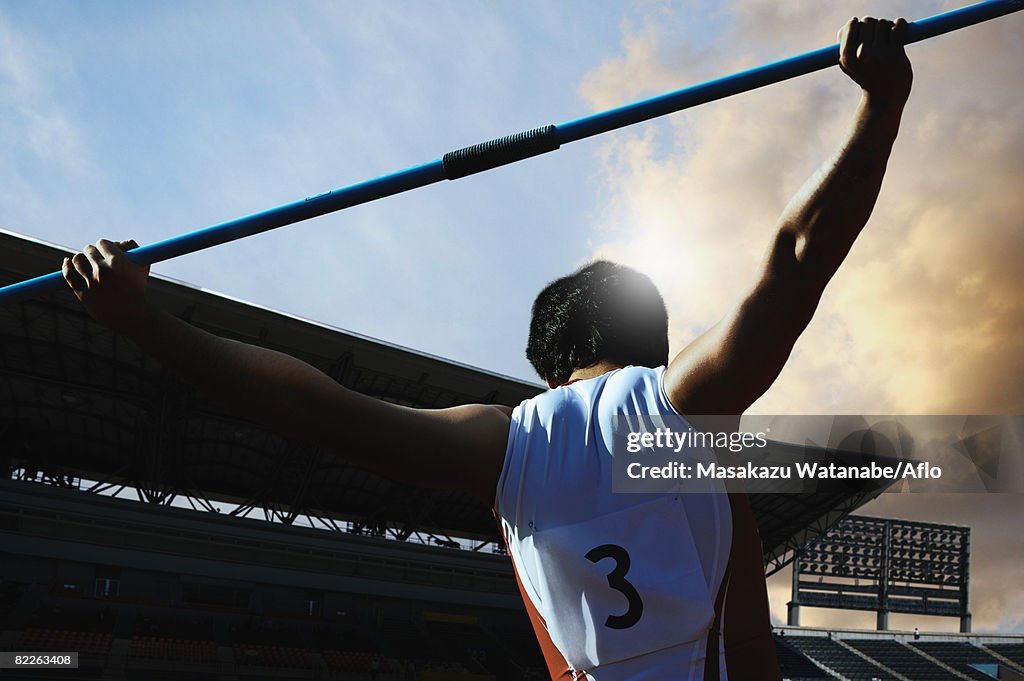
(925, 317)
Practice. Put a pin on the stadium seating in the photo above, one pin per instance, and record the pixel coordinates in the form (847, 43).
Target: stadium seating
(172, 649)
(1011, 651)
(83, 642)
(833, 656)
(355, 661)
(902, 659)
(795, 666)
(959, 656)
(161, 658)
(257, 654)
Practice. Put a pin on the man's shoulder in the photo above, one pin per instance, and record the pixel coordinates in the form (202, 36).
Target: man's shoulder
(503, 409)
(631, 389)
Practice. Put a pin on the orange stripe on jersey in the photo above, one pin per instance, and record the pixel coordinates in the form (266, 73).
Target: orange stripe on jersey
(557, 666)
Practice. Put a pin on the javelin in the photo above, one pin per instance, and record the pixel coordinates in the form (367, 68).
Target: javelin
(519, 146)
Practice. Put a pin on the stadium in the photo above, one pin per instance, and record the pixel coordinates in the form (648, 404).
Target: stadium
(160, 537)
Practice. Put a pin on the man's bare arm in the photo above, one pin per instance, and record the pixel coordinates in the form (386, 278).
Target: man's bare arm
(459, 448)
(726, 369)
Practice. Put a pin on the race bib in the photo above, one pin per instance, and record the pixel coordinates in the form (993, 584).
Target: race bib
(622, 585)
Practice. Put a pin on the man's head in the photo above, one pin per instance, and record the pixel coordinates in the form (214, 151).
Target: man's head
(603, 311)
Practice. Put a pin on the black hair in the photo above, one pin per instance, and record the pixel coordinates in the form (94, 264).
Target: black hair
(603, 311)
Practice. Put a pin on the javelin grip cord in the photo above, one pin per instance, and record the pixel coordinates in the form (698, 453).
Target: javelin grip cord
(505, 150)
(498, 152)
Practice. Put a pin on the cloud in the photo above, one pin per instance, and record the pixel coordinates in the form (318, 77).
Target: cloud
(37, 133)
(925, 316)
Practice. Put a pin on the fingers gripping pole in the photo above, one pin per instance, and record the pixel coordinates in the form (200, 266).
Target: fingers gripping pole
(495, 153)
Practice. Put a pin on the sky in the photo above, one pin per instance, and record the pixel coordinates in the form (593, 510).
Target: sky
(148, 119)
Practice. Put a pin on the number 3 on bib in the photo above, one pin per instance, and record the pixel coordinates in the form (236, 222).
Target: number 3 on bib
(617, 580)
(620, 585)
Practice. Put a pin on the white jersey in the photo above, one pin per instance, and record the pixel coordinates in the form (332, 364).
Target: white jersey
(618, 586)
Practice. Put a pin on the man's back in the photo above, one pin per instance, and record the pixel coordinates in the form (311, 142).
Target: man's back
(619, 585)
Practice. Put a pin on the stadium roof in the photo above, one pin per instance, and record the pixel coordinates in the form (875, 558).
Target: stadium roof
(76, 400)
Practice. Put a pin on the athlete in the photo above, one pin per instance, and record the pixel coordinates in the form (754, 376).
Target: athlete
(618, 586)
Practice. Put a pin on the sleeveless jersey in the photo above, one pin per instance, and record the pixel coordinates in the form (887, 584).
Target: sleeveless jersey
(618, 586)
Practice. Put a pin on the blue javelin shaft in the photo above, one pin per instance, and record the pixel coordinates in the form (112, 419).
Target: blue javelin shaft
(488, 155)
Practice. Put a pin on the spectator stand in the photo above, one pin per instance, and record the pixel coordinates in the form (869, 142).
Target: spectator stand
(267, 650)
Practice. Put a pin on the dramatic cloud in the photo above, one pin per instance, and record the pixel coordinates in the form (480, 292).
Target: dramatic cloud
(925, 317)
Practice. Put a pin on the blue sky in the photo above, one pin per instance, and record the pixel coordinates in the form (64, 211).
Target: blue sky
(151, 119)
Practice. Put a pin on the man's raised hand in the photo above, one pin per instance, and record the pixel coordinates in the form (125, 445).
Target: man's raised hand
(871, 52)
(110, 286)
